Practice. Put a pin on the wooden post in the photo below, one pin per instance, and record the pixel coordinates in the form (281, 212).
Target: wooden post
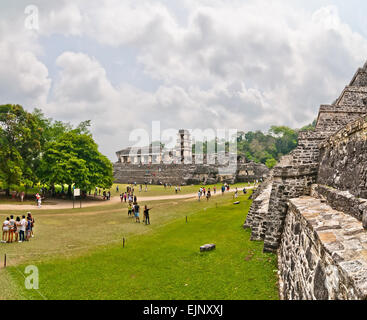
(5, 261)
(123, 242)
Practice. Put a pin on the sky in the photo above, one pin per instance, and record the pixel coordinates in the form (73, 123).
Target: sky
(192, 64)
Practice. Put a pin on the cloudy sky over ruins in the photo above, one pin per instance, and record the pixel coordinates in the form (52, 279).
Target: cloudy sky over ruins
(245, 64)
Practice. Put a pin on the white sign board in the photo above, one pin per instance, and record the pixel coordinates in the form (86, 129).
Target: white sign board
(76, 192)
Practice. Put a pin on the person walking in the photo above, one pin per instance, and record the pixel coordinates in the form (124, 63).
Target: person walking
(199, 195)
(208, 195)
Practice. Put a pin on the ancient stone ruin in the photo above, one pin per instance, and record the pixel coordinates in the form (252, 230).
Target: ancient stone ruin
(312, 208)
(149, 165)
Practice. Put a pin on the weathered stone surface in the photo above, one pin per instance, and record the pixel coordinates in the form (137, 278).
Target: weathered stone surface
(320, 234)
(186, 174)
(322, 263)
(207, 247)
(341, 200)
(256, 218)
(343, 159)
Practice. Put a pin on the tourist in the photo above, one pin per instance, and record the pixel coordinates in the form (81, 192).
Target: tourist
(223, 189)
(39, 202)
(236, 194)
(215, 189)
(117, 188)
(23, 223)
(129, 210)
(140, 188)
(109, 195)
(17, 229)
(135, 199)
(29, 215)
(208, 195)
(136, 212)
(22, 196)
(37, 197)
(125, 197)
(199, 195)
(28, 228)
(244, 190)
(11, 229)
(6, 226)
(176, 189)
(146, 187)
(121, 197)
(146, 215)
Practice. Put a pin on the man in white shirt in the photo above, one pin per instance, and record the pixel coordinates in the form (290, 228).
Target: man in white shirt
(23, 224)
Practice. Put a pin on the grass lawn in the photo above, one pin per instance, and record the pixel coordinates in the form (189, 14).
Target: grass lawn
(85, 260)
(154, 190)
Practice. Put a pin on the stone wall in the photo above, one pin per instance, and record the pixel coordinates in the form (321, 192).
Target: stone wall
(256, 218)
(186, 174)
(341, 200)
(343, 159)
(323, 253)
(288, 182)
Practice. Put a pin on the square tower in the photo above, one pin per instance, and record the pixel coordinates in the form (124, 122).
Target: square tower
(184, 147)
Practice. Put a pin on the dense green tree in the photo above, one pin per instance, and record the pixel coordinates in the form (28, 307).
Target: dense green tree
(20, 145)
(74, 159)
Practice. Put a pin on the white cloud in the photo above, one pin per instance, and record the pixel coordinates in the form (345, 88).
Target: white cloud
(23, 77)
(243, 64)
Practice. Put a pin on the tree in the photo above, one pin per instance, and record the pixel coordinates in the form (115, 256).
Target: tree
(270, 163)
(74, 159)
(20, 141)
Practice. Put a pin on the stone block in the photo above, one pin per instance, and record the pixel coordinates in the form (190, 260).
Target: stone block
(207, 247)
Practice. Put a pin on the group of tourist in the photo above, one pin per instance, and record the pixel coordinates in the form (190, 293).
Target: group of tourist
(204, 193)
(18, 229)
(133, 210)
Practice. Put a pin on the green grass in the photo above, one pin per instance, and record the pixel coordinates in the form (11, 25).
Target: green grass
(154, 190)
(163, 261)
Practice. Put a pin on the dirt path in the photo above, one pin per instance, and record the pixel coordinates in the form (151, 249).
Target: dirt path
(65, 204)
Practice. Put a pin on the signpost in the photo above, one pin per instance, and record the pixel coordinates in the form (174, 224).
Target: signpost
(77, 194)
